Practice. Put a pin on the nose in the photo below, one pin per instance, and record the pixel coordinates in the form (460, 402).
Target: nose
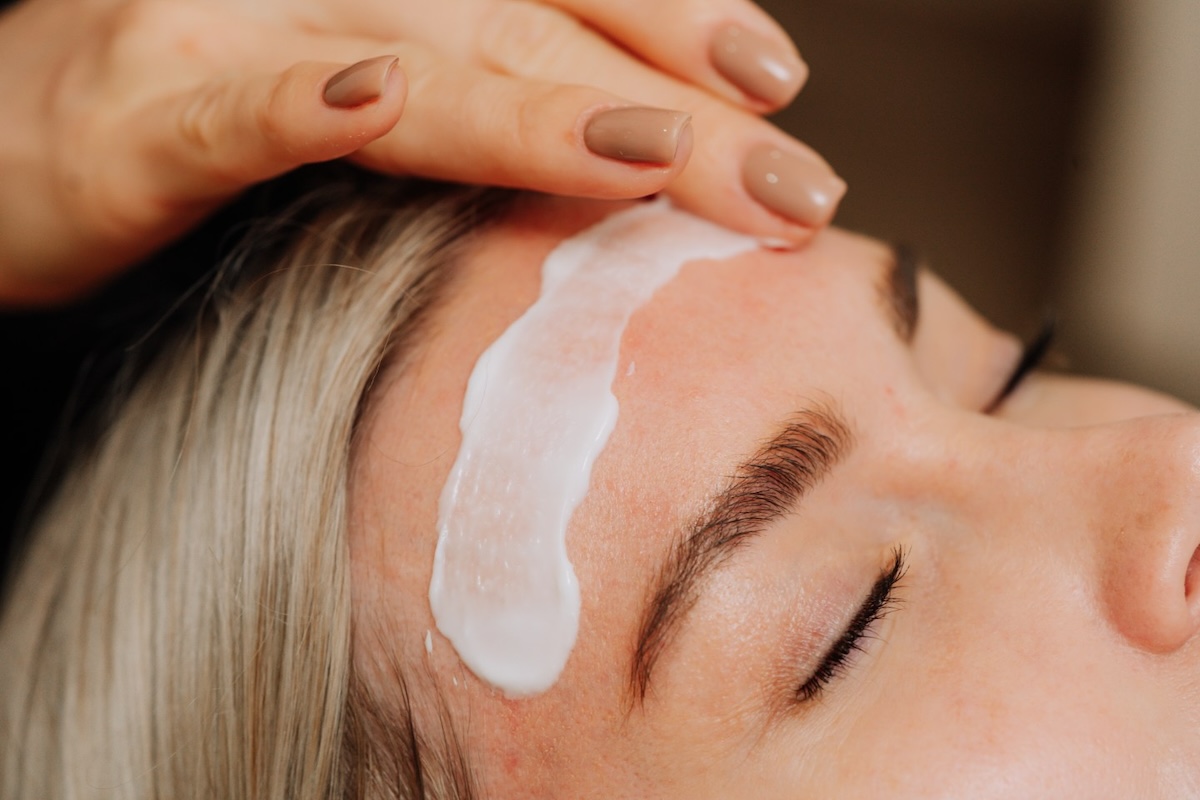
(1139, 492)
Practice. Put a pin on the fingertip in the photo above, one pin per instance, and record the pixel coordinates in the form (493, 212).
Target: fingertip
(637, 134)
(766, 70)
(782, 197)
(793, 184)
(799, 237)
(234, 133)
(358, 104)
(632, 151)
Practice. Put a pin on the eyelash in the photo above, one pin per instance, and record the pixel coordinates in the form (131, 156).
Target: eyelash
(1032, 356)
(882, 598)
(879, 603)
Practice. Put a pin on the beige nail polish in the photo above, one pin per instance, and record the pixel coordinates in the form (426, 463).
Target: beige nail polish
(759, 66)
(648, 135)
(798, 187)
(360, 83)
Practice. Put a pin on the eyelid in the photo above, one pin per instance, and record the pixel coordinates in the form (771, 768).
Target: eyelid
(1033, 354)
(881, 600)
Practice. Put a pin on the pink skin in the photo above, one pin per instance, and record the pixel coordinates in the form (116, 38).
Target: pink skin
(1044, 643)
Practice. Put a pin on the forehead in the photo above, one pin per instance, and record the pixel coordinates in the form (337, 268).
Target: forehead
(708, 369)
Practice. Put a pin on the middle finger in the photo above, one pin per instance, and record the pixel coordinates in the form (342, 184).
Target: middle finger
(745, 172)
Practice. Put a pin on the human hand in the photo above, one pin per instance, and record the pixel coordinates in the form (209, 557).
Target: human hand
(135, 118)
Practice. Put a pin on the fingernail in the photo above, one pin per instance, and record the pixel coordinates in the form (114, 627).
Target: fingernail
(800, 188)
(760, 67)
(648, 135)
(361, 83)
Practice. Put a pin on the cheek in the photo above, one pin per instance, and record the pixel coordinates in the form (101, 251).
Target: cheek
(991, 732)
(999, 689)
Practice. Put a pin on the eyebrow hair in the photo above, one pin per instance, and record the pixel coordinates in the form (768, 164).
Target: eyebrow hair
(765, 488)
(898, 290)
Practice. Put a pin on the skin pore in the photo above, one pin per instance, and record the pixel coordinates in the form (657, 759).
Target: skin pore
(1039, 640)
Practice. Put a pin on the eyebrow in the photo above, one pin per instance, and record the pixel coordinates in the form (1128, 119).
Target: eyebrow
(765, 488)
(898, 290)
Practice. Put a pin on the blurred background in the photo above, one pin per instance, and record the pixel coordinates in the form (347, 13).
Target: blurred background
(1039, 153)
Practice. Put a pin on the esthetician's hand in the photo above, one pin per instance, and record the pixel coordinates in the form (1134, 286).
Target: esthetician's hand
(130, 120)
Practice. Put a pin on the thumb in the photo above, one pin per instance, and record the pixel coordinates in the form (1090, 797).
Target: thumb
(210, 143)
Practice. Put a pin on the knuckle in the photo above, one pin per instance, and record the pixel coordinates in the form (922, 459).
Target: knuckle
(200, 120)
(524, 133)
(525, 38)
(219, 114)
(554, 102)
(271, 117)
(536, 138)
(204, 130)
(282, 140)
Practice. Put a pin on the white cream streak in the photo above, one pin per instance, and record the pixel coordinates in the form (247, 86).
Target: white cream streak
(538, 411)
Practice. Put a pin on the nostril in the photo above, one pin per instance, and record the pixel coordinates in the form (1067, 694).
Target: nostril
(1192, 578)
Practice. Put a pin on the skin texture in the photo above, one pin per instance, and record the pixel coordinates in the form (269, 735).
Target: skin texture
(131, 120)
(1043, 642)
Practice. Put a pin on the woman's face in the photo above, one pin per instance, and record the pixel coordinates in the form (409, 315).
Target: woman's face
(1040, 640)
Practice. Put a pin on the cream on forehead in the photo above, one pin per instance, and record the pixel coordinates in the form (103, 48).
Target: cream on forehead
(538, 411)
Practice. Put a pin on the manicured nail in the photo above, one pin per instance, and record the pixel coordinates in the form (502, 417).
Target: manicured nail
(361, 83)
(800, 188)
(646, 135)
(760, 67)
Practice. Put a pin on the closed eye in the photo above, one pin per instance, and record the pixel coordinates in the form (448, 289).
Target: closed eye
(879, 603)
(1032, 356)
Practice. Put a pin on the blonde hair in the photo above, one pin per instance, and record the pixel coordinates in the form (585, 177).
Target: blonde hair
(180, 625)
